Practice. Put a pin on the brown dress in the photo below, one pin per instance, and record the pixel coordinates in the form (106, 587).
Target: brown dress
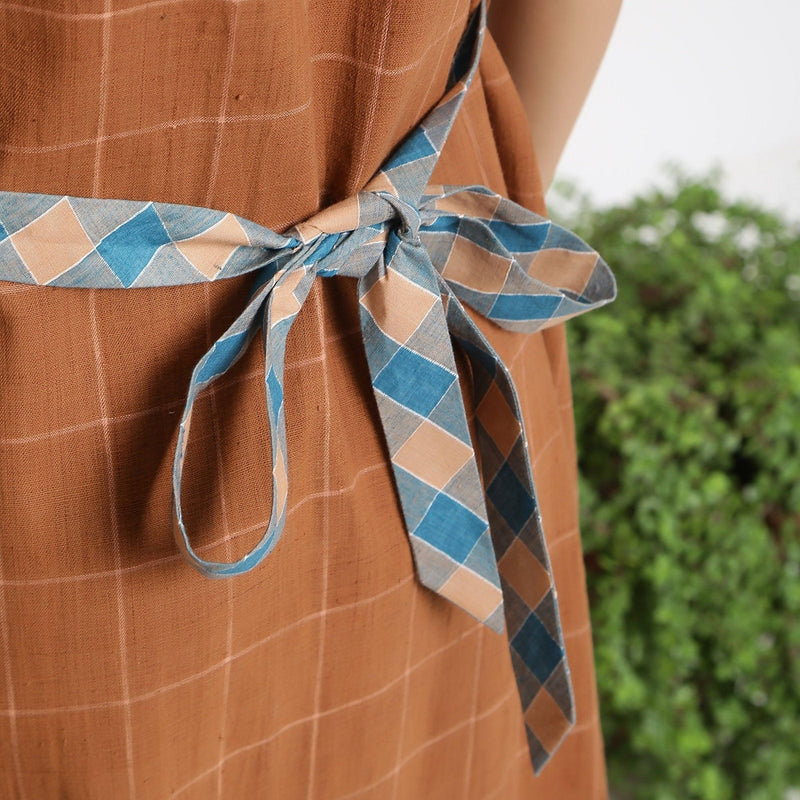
(328, 671)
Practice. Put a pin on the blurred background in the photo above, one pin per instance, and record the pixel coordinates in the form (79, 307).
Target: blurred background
(684, 172)
(714, 82)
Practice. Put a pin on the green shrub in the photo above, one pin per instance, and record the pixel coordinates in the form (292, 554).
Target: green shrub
(687, 403)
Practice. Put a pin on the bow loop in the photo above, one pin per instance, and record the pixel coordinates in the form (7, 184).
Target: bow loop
(520, 270)
(220, 358)
(274, 303)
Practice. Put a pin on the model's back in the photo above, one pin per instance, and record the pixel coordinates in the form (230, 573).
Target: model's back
(328, 671)
(267, 109)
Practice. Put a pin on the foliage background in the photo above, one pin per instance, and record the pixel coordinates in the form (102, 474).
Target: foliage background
(687, 403)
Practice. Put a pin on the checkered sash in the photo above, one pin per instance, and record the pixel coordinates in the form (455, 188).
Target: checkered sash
(419, 254)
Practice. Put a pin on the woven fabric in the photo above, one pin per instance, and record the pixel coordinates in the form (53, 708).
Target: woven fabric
(417, 254)
(489, 216)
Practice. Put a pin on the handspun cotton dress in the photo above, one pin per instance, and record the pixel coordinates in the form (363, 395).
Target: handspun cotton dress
(328, 671)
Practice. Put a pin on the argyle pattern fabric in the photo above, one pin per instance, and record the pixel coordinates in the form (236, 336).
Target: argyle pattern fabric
(420, 253)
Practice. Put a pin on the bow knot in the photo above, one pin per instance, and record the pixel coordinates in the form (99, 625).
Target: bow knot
(406, 214)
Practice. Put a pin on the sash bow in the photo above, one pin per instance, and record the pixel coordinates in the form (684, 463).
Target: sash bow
(420, 253)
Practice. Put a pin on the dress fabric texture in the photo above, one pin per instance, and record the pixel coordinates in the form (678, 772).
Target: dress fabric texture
(325, 678)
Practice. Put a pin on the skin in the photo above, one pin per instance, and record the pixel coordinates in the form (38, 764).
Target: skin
(553, 49)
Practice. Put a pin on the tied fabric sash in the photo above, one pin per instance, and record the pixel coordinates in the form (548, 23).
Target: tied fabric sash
(419, 253)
